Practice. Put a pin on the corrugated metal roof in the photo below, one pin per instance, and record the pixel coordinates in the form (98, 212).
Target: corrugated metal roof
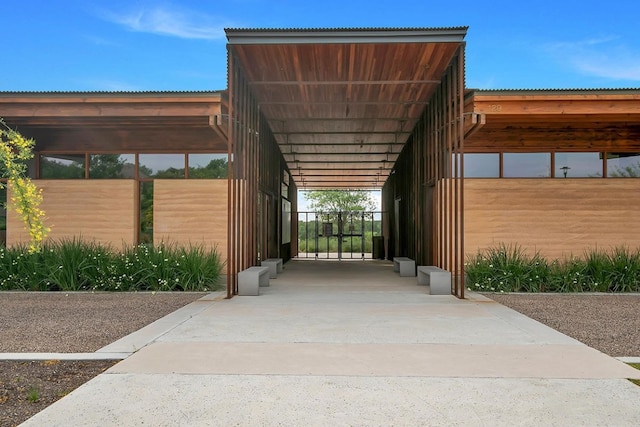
(342, 29)
(237, 36)
(572, 91)
(110, 93)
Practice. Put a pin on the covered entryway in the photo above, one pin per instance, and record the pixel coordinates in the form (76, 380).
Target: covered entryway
(351, 109)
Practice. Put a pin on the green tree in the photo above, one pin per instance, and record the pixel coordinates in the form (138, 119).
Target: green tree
(51, 168)
(630, 171)
(340, 200)
(217, 168)
(106, 166)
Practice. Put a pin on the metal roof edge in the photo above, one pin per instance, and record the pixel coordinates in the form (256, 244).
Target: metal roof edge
(565, 91)
(111, 94)
(344, 35)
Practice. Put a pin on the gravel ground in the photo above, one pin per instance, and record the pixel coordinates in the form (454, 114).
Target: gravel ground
(606, 322)
(84, 322)
(78, 322)
(66, 323)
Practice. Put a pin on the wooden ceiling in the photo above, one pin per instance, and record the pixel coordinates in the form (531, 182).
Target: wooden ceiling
(342, 103)
(539, 120)
(116, 122)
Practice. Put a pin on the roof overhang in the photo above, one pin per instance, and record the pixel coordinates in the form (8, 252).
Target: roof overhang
(343, 102)
(553, 119)
(115, 119)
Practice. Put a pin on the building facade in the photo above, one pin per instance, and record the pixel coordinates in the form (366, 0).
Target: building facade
(460, 170)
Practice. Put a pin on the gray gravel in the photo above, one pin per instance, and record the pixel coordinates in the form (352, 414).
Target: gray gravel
(609, 323)
(78, 322)
(84, 322)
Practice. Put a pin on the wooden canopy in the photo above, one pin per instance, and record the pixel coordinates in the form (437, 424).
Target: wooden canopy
(342, 103)
(116, 121)
(550, 120)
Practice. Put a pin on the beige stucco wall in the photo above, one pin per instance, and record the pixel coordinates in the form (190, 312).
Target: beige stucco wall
(97, 210)
(557, 217)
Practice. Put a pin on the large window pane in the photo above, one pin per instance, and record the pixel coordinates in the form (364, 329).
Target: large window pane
(62, 166)
(578, 165)
(3, 215)
(481, 165)
(208, 165)
(161, 165)
(112, 166)
(526, 165)
(623, 165)
(146, 212)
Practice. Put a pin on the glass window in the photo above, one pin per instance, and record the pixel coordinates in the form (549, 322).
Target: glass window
(62, 166)
(161, 165)
(112, 166)
(578, 165)
(146, 212)
(481, 165)
(526, 165)
(623, 165)
(3, 215)
(208, 165)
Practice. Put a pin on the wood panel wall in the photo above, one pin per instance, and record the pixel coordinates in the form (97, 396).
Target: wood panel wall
(96, 210)
(191, 212)
(557, 217)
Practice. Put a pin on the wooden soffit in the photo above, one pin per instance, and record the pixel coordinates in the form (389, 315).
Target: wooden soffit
(343, 102)
(116, 121)
(539, 120)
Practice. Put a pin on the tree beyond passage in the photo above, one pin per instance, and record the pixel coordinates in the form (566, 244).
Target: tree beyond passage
(340, 200)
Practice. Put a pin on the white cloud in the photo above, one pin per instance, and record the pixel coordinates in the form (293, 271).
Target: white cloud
(606, 57)
(108, 85)
(100, 41)
(171, 21)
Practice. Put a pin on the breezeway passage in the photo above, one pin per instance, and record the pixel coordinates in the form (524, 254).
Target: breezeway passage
(352, 343)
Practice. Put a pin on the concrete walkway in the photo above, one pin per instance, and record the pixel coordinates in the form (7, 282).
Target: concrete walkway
(351, 343)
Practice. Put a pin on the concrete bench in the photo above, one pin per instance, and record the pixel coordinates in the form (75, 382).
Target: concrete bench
(405, 266)
(250, 280)
(439, 280)
(275, 266)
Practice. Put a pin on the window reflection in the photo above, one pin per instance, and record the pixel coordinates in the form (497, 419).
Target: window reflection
(623, 165)
(62, 166)
(526, 165)
(482, 165)
(111, 166)
(3, 215)
(578, 165)
(146, 212)
(161, 165)
(208, 166)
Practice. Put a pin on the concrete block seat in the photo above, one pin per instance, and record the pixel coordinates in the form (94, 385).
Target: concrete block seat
(275, 266)
(405, 266)
(439, 280)
(250, 280)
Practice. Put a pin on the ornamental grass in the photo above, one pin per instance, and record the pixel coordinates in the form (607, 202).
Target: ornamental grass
(511, 268)
(78, 265)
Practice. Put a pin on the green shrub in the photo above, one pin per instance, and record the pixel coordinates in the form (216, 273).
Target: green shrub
(507, 268)
(76, 265)
(511, 269)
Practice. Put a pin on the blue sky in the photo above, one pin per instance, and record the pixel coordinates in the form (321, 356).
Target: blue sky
(169, 45)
